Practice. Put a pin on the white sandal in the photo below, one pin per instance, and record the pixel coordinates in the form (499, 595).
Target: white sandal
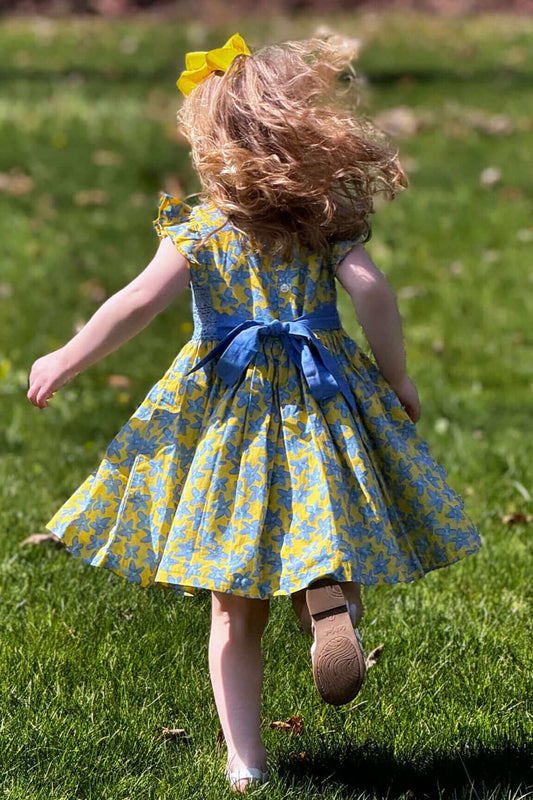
(252, 774)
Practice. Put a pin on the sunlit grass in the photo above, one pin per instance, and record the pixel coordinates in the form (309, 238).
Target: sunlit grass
(92, 668)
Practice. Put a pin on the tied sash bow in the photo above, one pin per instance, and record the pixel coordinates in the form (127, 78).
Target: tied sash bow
(241, 341)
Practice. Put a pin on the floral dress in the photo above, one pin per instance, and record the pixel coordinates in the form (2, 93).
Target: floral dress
(254, 479)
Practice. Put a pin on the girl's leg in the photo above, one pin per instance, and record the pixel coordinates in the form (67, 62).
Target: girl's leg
(236, 670)
(351, 591)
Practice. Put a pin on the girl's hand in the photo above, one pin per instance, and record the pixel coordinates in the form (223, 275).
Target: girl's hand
(47, 375)
(408, 397)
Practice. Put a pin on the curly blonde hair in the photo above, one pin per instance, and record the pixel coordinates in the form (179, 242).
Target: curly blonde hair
(280, 152)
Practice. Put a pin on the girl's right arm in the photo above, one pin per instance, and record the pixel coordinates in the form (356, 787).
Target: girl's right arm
(120, 318)
(377, 311)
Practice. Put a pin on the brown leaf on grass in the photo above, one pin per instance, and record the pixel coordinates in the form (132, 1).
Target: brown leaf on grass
(374, 656)
(91, 197)
(6, 290)
(220, 740)
(294, 724)
(93, 289)
(516, 517)
(437, 346)
(119, 381)
(476, 119)
(107, 158)
(298, 756)
(40, 538)
(525, 234)
(511, 193)
(498, 125)
(16, 182)
(172, 733)
(456, 268)
(398, 122)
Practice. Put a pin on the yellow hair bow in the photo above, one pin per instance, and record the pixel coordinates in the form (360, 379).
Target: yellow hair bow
(199, 65)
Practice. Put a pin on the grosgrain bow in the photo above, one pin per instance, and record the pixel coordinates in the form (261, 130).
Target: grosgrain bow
(241, 343)
(199, 65)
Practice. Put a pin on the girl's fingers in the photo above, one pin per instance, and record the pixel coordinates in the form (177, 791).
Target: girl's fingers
(42, 397)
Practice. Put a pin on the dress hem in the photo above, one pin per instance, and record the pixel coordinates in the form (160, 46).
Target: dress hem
(183, 589)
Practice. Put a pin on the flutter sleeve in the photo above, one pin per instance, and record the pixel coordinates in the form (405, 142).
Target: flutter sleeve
(340, 249)
(175, 219)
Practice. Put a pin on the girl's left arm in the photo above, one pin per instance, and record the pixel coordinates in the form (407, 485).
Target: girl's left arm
(120, 318)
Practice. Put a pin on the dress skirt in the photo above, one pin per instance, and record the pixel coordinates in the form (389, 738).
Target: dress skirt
(257, 488)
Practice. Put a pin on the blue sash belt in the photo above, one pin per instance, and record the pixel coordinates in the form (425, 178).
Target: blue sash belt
(240, 342)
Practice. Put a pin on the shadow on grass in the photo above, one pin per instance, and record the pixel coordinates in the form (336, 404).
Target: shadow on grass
(478, 772)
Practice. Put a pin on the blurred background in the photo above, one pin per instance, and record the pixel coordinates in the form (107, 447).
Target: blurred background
(88, 141)
(204, 8)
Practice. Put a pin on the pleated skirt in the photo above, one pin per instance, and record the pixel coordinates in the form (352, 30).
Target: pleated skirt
(256, 489)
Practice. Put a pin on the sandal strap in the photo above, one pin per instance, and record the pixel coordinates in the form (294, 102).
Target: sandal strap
(252, 773)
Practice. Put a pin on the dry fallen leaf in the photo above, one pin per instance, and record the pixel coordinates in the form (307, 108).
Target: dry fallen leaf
(39, 538)
(399, 121)
(107, 158)
(93, 289)
(525, 235)
(16, 182)
(456, 268)
(6, 290)
(515, 518)
(294, 724)
(298, 756)
(498, 125)
(172, 733)
(490, 256)
(511, 193)
(119, 381)
(91, 197)
(374, 656)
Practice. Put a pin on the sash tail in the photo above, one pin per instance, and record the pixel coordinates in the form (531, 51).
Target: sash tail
(240, 343)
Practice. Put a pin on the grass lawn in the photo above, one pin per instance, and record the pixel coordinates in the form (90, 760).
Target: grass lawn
(92, 668)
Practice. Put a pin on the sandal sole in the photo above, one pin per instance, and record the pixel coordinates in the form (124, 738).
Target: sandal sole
(338, 662)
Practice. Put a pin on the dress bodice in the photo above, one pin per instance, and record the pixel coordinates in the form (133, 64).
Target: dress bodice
(229, 277)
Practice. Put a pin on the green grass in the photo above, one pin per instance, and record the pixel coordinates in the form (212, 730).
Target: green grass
(90, 666)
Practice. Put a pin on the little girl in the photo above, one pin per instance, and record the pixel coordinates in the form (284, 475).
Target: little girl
(273, 457)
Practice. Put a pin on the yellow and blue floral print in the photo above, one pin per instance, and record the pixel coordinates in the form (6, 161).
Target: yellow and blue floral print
(258, 485)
